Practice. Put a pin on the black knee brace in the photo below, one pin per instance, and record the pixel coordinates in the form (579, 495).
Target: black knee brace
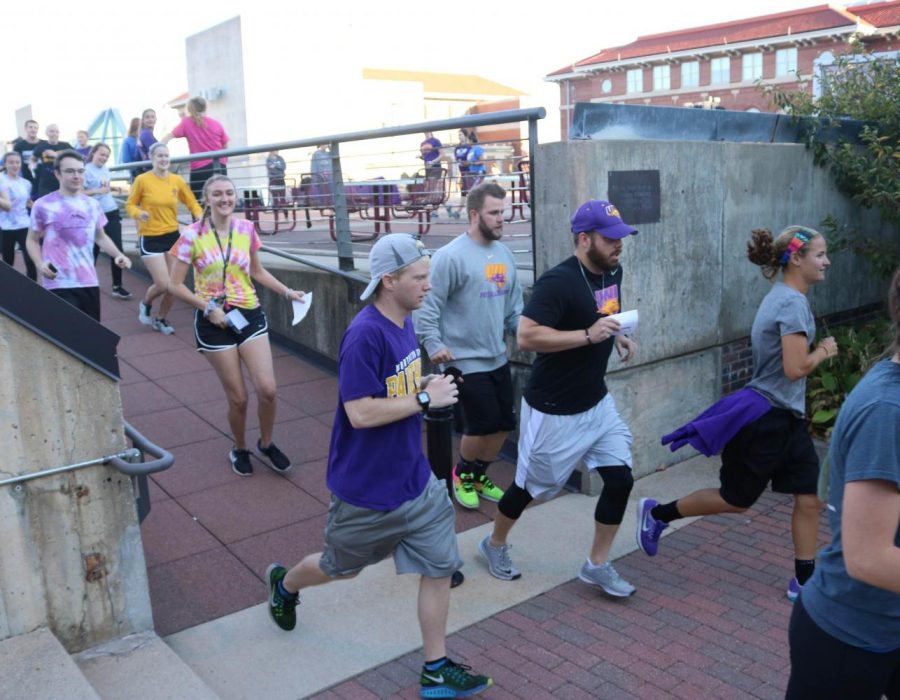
(617, 483)
(514, 502)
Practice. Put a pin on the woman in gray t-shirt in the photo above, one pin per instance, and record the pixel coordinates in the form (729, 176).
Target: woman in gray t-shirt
(776, 447)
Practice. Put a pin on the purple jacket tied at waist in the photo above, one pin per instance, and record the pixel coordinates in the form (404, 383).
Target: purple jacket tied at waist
(709, 432)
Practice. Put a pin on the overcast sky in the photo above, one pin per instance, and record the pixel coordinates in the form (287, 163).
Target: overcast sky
(72, 63)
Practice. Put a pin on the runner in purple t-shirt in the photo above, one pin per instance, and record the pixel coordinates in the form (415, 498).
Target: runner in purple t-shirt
(385, 499)
(64, 227)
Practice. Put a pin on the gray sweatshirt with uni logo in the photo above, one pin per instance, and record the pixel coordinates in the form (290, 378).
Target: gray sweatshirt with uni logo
(475, 298)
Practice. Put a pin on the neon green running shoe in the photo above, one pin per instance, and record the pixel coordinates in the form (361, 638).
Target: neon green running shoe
(282, 610)
(452, 680)
(464, 489)
(487, 489)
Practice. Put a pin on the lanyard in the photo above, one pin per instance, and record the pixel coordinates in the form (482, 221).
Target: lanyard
(226, 252)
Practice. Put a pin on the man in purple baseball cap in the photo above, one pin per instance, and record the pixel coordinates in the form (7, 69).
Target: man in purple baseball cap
(567, 415)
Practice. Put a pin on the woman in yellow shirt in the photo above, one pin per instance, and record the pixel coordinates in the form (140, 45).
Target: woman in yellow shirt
(154, 203)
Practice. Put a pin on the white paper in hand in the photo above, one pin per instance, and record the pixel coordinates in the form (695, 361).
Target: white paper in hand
(301, 308)
(628, 322)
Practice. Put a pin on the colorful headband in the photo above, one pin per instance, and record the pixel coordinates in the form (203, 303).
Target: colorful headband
(800, 239)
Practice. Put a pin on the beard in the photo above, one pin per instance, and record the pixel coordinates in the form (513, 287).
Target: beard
(598, 259)
(489, 233)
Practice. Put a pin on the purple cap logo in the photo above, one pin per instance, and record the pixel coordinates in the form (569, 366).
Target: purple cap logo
(601, 217)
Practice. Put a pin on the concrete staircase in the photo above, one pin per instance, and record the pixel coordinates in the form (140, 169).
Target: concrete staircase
(137, 667)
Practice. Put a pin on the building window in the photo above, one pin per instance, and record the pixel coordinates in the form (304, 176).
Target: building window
(661, 78)
(635, 80)
(690, 74)
(752, 67)
(720, 70)
(785, 61)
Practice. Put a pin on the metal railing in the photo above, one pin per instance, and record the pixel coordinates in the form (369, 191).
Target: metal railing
(339, 194)
(128, 461)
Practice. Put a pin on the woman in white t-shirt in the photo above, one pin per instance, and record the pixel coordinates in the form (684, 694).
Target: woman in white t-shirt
(15, 199)
(96, 185)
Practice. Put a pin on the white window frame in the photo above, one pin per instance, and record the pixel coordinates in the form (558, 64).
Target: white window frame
(662, 78)
(718, 66)
(751, 67)
(690, 74)
(634, 81)
(786, 61)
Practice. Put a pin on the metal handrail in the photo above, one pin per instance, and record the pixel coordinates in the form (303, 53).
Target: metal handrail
(163, 459)
(131, 453)
(504, 117)
(341, 210)
(354, 276)
(128, 461)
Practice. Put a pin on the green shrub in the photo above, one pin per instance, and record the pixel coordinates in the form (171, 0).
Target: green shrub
(828, 386)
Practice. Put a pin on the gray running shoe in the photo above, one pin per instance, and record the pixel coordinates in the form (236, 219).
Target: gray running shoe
(498, 561)
(162, 325)
(144, 314)
(607, 578)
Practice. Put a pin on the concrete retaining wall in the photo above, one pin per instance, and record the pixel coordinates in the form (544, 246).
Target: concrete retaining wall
(688, 274)
(72, 558)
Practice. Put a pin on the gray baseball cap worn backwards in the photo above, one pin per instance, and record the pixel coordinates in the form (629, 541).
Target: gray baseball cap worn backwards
(389, 254)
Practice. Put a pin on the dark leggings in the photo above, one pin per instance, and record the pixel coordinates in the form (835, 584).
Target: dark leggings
(113, 229)
(202, 174)
(10, 238)
(617, 483)
(826, 668)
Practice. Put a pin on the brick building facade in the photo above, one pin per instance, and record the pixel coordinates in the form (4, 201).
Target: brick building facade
(719, 65)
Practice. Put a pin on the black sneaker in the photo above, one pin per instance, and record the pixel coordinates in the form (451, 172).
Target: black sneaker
(119, 292)
(452, 680)
(277, 459)
(240, 462)
(283, 611)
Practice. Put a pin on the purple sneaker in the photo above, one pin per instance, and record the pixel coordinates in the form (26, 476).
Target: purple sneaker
(793, 590)
(648, 529)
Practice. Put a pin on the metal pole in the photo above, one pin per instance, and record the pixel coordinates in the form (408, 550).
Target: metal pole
(439, 436)
(532, 157)
(341, 215)
(69, 467)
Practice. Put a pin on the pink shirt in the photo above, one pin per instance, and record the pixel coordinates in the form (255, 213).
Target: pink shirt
(209, 137)
(68, 225)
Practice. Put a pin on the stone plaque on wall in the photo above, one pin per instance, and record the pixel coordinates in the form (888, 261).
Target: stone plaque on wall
(636, 195)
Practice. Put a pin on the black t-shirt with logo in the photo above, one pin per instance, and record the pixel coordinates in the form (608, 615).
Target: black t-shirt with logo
(25, 149)
(568, 298)
(45, 179)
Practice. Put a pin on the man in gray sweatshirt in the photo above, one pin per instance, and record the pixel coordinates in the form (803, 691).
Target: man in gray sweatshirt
(474, 300)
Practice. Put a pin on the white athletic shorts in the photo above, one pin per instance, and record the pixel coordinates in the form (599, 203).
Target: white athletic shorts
(551, 446)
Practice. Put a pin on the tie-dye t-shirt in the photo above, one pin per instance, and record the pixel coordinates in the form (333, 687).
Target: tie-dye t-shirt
(202, 252)
(68, 225)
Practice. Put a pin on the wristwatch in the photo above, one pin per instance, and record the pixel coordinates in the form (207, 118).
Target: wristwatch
(424, 400)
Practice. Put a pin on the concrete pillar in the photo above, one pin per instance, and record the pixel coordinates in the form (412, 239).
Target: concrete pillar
(72, 558)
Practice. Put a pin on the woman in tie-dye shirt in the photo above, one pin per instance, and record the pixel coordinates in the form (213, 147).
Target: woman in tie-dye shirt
(229, 325)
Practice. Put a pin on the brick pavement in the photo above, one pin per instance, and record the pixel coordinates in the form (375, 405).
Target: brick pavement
(709, 620)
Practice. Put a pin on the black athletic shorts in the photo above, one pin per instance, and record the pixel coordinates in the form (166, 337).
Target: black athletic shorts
(486, 399)
(158, 245)
(87, 299)
(777, 448)
(211, 338)
(825, 668)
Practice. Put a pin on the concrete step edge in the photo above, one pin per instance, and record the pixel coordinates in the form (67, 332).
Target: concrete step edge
(35, 665)
(141, 666)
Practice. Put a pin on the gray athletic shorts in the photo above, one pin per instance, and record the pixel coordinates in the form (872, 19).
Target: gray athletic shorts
(551, 446)
(421, 535)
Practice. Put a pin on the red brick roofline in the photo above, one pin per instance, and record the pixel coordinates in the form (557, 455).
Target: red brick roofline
(819, 18)
(880, 14)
